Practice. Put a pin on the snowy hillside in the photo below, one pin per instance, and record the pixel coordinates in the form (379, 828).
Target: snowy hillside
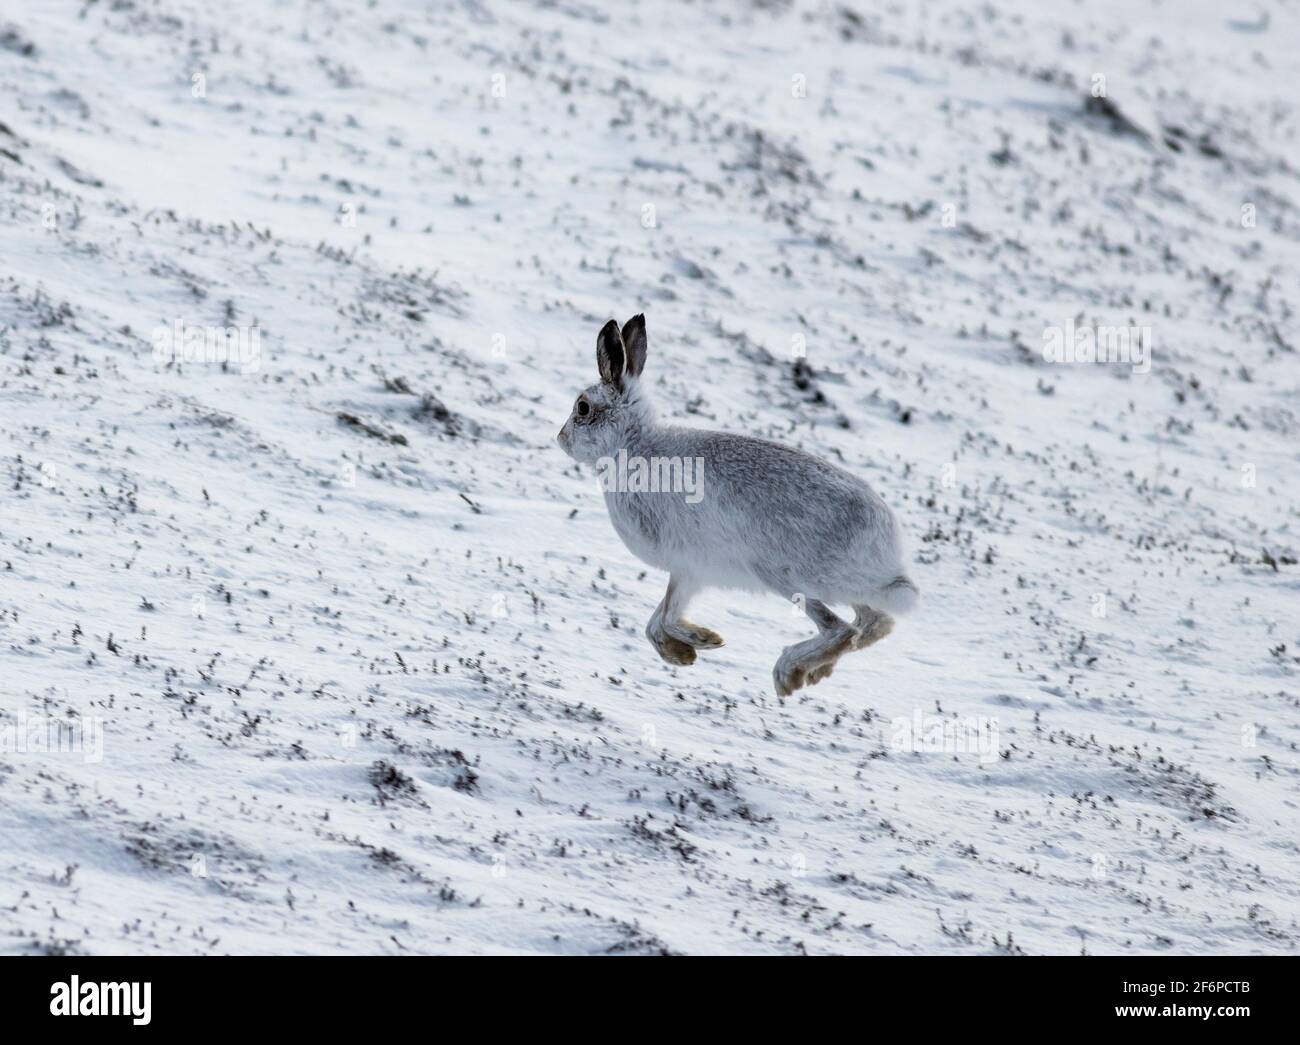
(342, 650)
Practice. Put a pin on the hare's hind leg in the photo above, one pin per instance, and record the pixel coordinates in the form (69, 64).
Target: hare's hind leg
(807, 663)
(871, 626)
(675, 638)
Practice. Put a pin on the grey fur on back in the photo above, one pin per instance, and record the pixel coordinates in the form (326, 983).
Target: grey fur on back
(771, 518)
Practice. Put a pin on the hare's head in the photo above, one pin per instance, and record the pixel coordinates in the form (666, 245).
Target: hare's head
(607, 413)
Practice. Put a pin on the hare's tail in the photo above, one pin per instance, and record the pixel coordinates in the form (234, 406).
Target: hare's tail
(897, 597)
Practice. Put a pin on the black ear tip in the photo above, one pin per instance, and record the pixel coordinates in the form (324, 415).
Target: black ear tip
(611, 356)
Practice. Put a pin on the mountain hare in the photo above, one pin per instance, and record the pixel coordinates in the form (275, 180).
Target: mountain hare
(761, 517)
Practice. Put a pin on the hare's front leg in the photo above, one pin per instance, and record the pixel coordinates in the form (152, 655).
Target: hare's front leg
(676, 639)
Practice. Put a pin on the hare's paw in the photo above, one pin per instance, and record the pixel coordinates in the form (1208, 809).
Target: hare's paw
(675, 652)
(672, 650)
(793, 666)
(788, 676)
(795, 673)
(807, 663)
(694, 635)
(817, 674)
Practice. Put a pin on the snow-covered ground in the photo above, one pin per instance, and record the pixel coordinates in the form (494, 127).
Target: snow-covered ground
(348, 655)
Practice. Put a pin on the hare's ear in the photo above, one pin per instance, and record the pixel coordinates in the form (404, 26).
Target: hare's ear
(634, 343)
(610, 357)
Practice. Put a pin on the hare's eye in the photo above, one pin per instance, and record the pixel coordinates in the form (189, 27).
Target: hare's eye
(584, 408)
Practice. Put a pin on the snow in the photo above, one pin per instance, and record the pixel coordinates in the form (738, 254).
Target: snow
(380, 685)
